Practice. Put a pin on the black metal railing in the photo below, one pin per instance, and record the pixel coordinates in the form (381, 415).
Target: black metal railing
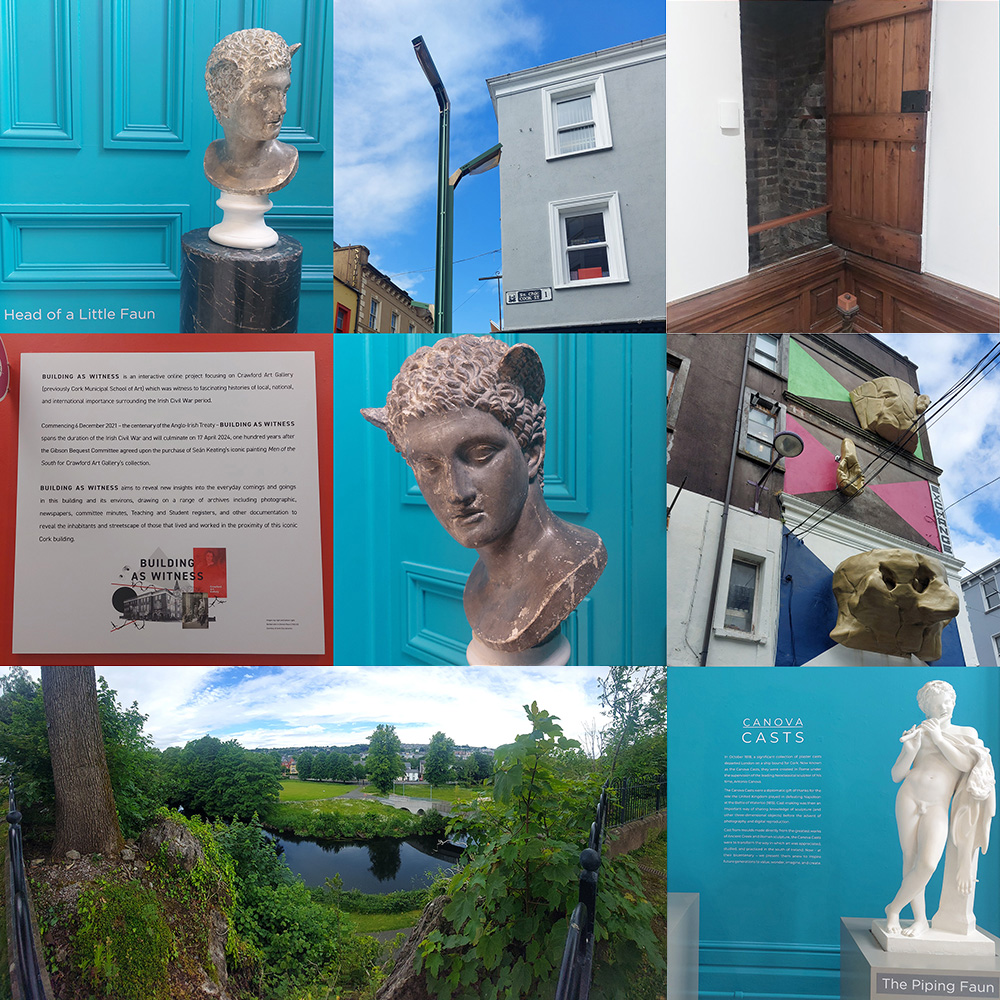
(635, 798)
(25, 969)
(578, 955)
(621, 802)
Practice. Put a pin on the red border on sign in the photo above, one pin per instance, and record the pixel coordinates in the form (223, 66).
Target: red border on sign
(161, 343)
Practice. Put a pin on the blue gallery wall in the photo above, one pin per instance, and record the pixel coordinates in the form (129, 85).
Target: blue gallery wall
(398, 575)
(773, 929)
(103, 128)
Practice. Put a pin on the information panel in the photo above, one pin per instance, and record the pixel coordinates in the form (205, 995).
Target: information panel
(168, 503)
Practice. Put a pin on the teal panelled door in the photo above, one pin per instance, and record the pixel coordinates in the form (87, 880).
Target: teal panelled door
(104, 122)
(398, 576)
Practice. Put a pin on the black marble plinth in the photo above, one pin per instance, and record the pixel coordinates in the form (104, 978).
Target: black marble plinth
(228, 290)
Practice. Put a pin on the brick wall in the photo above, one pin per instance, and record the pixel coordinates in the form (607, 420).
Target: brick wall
(784, 114)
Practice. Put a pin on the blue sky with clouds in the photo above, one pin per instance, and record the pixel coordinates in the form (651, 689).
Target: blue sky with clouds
(965, 440)
(305, 706)
(386, 123)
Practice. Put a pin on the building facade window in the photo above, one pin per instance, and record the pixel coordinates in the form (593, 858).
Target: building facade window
(575, 117)
(759, 426)
(996, 648)
(343, 321)
(741, 596)
(766, 350)
(412, 328)
(990, 595)
(677, 373)
(587, 243)
(373, 315)
(393, 322)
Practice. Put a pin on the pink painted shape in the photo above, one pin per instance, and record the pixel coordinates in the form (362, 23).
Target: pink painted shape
(815, 470)
(912, 502)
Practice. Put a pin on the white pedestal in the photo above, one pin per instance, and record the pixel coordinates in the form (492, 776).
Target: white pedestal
(933, 942)
(243, 222)
(869, 973)
(554, 653)
(682, 945)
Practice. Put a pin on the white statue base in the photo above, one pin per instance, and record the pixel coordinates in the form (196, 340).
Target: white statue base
(682, 945)
(933, 942)
(869, 973)
(554, 653)
(243, 224)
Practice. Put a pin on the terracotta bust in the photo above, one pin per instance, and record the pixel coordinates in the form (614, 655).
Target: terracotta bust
(468, 417)
(247, 76)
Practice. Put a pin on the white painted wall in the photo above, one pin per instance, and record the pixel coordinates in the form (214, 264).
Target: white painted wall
(706, 166)
(692, 544)
(962, 203)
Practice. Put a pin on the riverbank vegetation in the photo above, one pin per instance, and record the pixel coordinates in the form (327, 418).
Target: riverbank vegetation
(350, 819)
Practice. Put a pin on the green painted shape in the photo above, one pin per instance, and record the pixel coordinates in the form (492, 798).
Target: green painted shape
(807, 377)
(920, 449)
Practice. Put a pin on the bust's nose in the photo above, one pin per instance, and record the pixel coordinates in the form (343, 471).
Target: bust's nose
(459, 488)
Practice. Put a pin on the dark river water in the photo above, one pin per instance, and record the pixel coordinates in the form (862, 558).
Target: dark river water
(382, 865)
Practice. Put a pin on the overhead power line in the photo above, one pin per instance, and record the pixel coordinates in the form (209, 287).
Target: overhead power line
(421, 270)
(983, 367)
(976, 490)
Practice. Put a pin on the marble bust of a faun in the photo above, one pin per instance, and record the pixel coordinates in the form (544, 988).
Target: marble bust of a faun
(247, 77)
(467, 416)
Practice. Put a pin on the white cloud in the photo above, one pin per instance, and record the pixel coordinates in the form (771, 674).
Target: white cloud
(386, 115)
(965, 439)
(295, 706)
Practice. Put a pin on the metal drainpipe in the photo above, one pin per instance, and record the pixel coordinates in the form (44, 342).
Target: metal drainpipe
(725, 508)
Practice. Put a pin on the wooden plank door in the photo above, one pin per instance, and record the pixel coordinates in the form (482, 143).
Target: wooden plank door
(878, 62)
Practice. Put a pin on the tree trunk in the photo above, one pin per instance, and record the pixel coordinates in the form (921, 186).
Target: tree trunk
(86, 819)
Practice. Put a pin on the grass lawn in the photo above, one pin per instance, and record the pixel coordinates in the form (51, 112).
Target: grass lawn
(444, 793)
(372, 923)
(346, 807)
(293, 790)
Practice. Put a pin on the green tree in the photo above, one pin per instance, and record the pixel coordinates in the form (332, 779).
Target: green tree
(304, 764)
(86, 817)
(136, 768)
(510, 903)
(384, 762)
(223, 779)
(440, 759)
(478, 767)
(635, 701)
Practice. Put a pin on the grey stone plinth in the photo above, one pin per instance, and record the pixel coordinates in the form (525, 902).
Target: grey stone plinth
(869, 973)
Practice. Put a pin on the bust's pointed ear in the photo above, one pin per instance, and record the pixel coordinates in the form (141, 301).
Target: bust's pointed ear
(522, 366)
(292, 49)
(376, 415)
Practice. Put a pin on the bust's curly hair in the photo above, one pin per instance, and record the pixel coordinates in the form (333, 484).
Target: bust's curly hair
(478, 372)
(240, 58)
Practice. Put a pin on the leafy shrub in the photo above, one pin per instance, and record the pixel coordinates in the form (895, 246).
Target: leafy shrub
(510, 904)
(124, 940)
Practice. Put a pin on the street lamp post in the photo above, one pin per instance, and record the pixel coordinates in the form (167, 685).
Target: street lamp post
(785, 445)
(446, 189)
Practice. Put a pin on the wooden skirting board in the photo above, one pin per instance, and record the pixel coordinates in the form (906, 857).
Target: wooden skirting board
(800, 296)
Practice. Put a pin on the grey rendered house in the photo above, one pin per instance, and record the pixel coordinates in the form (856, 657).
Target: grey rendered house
(582, 190)
(981, 591)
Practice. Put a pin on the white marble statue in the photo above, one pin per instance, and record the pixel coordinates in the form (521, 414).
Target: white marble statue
(940, 765)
